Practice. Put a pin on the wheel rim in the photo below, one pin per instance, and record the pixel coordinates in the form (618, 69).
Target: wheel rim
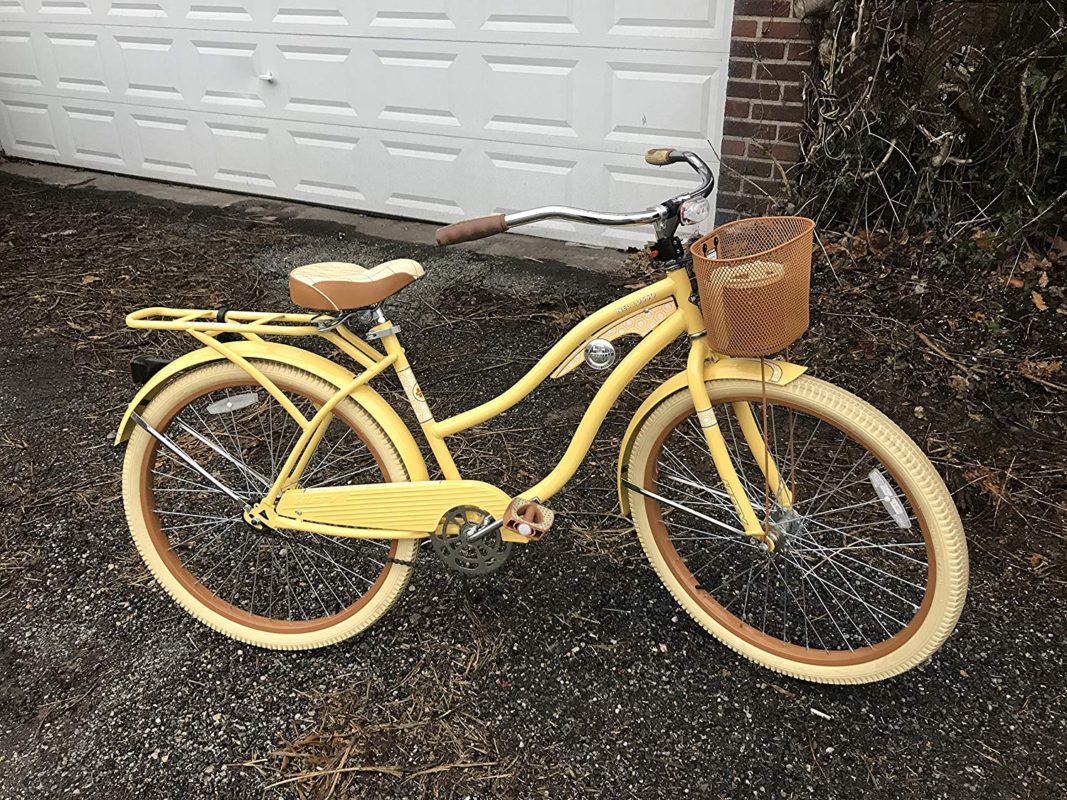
(826, 620)
(225, 564)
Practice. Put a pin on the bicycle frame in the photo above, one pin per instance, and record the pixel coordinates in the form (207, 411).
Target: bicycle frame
(660, 313)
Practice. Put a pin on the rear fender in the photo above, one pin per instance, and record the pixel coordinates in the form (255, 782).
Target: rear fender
(776, 372)
(371, 402)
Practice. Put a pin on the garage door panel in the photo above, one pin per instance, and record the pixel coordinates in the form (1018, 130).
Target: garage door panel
(135, 9)
(697, 25)
(414, 87)
(327, 167)
(94, 136)
(75, 57)
(426, 178)
(678, 20)
(656, 103)
(147, 67)
(18, 60)
(164, 144)
(28, 129)
(530, 94)
(555, 18)
(66, 7)
(242, 154)
(319, 78)
(226, 74)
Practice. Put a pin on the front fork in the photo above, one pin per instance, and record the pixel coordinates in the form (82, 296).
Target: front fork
(709, 425)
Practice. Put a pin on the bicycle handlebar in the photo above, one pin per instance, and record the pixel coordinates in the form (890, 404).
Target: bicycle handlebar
(481, 227)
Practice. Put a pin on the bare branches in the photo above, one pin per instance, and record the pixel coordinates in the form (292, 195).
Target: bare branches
(930, 112)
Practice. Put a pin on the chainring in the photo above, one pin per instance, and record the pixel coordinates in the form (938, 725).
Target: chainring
(451, 543)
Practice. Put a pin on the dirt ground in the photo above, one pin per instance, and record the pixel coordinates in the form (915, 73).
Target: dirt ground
(570, 673)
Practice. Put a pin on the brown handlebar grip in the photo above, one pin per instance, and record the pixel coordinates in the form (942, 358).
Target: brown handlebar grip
(470, 229)
(659, 156)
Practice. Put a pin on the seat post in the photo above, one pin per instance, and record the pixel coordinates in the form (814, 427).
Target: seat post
(418, 403)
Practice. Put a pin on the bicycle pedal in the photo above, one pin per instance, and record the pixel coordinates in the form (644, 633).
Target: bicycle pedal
(528, 518)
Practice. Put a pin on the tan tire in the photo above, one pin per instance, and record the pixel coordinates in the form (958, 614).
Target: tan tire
(928, 533)
(154, 485)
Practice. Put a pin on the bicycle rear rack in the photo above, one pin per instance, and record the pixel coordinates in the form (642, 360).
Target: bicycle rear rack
(242, 322)
(202, 324)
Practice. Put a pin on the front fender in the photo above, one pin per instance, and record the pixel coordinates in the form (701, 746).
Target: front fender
(777, 372)
(371, 402)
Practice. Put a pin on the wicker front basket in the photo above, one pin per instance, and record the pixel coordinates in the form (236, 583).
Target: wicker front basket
(754, 277)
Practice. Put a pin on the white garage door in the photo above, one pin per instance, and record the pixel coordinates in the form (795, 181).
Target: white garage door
(431, 109)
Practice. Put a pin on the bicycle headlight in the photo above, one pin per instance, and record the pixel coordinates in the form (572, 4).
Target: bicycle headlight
(694, 210)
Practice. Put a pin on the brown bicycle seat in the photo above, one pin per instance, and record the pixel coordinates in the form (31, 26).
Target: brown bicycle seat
(336, 286)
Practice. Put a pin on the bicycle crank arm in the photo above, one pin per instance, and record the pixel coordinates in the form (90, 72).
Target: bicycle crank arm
(191, 462)
(484, 531)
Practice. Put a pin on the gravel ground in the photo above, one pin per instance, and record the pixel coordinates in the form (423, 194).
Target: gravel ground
(571, 673)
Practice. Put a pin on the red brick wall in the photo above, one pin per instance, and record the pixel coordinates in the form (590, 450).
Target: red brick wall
(770, 54)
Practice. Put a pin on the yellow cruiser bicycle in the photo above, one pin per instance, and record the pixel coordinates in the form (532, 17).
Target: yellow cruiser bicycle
(280, 500)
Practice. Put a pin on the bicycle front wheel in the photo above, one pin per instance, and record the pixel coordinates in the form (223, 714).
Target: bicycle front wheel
(869, 574)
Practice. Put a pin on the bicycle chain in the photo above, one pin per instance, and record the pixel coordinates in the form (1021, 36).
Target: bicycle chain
(403, 562)
(411, 564)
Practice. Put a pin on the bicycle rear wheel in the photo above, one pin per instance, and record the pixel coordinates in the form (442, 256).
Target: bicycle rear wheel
(277, 589)
(869, 574)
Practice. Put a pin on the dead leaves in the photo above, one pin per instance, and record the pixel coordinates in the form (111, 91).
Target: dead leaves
(987, 482)
(1041, 369)
(1058, 247)
(1039, 562)
(568, 318)
(959, 383)
(1033, 271)
(847, 250)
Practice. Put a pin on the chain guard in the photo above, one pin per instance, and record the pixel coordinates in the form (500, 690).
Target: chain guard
(458, 553)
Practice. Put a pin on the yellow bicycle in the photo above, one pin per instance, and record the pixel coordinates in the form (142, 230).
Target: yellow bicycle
(279, 498)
